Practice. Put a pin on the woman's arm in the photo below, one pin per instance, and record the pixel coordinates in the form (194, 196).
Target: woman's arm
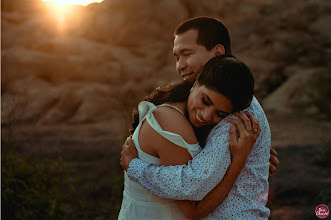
(240, 148)
(153, 143)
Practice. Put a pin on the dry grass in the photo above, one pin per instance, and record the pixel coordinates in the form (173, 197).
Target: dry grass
(91, 152)
(299, 185)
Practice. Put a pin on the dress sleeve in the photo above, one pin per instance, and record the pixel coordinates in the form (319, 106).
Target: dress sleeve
(188, 182)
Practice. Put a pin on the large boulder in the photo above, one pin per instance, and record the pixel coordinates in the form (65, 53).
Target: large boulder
(306, 92)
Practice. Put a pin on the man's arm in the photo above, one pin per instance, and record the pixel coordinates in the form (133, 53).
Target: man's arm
(195, 180)
(162, 180)
(239, 153)
(187, 182)
(129, 153)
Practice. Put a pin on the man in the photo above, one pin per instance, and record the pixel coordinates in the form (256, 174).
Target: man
(196, 41)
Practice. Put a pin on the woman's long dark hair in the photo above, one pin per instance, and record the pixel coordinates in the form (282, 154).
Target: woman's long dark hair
(173, 92)
(224, 74)
(230, 77)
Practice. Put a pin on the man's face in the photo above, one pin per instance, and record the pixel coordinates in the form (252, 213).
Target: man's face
(190, 56)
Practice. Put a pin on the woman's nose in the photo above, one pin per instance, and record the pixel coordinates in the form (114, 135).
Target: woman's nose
(207, 114)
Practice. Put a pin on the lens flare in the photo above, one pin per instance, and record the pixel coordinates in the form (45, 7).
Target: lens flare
(62, 3)
(60, 10)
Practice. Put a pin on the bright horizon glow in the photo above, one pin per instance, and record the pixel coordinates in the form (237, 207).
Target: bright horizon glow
(62, 3)
(61, 9)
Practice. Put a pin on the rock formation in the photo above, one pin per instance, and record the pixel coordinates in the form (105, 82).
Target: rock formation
(104, 57)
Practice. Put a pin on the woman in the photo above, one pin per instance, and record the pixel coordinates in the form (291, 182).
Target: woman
(225, 85)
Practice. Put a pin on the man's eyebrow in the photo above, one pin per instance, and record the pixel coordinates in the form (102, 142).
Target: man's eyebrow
(182, 51)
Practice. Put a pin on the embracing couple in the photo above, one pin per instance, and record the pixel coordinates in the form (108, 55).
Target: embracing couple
(200, 147)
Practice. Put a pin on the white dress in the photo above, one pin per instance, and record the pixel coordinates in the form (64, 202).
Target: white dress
(138, 202)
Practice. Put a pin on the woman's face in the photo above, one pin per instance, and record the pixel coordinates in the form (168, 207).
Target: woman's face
(206, 106)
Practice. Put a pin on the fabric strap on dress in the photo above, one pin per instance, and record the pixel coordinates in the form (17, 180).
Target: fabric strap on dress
(172, 107)
(146, 112)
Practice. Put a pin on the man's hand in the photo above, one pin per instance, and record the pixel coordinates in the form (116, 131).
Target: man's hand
(129, 152)
(274, 162)
(248, 130)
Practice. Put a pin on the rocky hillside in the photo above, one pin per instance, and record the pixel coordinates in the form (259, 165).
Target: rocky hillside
(98, 62)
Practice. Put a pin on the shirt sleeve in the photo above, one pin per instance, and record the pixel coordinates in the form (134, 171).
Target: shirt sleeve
(194, 180)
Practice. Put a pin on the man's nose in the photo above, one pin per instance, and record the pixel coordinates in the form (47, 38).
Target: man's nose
(181, 65)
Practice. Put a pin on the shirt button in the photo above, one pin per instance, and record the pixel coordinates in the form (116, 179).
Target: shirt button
(205, 172)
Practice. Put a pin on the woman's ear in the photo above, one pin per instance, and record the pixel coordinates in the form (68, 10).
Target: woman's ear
(219, 50)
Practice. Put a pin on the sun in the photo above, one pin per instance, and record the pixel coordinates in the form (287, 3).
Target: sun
(63, 3)
(61, 9)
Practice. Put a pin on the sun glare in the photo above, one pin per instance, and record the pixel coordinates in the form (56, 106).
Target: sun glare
(62, 3)
(61, 9)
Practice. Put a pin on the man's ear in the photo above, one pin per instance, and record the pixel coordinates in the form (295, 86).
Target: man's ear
(219, 50)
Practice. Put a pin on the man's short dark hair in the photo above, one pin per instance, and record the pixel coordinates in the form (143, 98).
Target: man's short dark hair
(210, 32)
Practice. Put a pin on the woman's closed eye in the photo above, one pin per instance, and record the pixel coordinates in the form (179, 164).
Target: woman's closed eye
(204, 101)
(221, 115)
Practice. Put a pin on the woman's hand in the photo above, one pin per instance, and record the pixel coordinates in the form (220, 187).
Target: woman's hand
(248, 131)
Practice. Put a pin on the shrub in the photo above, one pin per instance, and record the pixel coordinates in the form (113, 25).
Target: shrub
(312, 98)
(34, 190)
(320, 93)
(324, 157)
